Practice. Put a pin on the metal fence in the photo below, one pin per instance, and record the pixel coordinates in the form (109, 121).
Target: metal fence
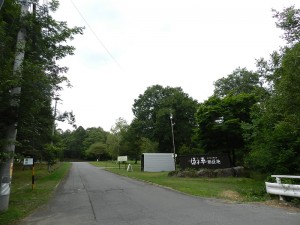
(291, 190)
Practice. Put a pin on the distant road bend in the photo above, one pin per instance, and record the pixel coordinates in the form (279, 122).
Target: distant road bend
(93, 196)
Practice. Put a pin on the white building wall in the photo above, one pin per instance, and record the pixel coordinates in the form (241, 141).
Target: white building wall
(157, 162)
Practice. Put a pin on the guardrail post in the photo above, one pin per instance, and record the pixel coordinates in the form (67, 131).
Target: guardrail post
(278, 180)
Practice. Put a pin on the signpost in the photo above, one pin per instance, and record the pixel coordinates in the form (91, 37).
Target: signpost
(28, 161)
(122, 159)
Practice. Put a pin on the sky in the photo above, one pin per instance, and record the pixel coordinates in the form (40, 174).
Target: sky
(130, 45)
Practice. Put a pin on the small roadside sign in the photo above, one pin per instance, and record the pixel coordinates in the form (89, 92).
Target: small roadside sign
(28, 162)
(122, 158)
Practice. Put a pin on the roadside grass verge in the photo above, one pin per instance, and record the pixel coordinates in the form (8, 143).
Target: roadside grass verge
(239, 189)
(23, 200)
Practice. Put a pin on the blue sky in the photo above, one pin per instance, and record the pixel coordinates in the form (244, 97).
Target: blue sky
(178, 43)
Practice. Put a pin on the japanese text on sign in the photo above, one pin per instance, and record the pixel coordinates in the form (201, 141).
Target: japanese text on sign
(216, 161)
(209, 160)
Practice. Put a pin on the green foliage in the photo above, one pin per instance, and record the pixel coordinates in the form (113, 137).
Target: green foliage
(73, 143)
(5, 156)
(275, 145)
(239, 81)
(220, 124)
(94, 135)
(40, 77)
(113, 145)
(289, 21)
(274, 135)
(152, 116)
(186, 150)
(51, 153)
(116, 143)
(80, 143)
(222, 117)
(148, 146)
(131, 141)
(96, 150)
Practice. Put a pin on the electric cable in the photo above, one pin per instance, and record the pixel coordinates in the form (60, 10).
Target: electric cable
(101, 42)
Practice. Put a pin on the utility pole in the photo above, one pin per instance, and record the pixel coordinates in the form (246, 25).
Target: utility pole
(173, 140)
(6, 167)
(53, 129)
(53, 126)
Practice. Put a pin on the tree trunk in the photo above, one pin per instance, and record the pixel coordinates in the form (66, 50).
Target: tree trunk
(6, 166)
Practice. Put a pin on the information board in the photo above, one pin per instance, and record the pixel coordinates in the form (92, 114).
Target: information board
(122, 158)
(28, 162)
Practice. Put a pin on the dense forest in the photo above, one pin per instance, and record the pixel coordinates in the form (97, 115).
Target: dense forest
(252, 116)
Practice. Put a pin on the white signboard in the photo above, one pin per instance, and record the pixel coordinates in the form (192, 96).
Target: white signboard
(122, 158)
(28, 162)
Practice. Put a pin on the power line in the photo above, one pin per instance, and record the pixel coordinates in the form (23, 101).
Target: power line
(102, 44)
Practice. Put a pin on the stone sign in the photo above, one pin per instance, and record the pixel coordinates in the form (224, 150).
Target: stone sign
(216, 161)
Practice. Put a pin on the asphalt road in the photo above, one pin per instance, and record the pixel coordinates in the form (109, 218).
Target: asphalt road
(92, 196)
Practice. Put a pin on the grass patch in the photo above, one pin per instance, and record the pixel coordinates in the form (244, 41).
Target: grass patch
(231, 188)
(23, 200)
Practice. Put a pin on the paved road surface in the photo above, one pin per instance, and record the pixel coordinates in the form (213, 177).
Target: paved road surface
(92, 196)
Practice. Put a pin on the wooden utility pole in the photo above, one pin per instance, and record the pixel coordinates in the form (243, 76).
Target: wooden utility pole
(173, 140)
(6, 167)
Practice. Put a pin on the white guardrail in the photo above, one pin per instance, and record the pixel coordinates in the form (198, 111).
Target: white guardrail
(280, 189)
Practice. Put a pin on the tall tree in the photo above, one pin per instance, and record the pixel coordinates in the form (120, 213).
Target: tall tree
(131, 141)
(274, 136)
(96, 151)
(94, 135)
(152, 116)
(10, 130)
(289, 21)
(220, 124)
(220, 119)
(239, 81)
(76, 148)
(116, 137)
(38, 74)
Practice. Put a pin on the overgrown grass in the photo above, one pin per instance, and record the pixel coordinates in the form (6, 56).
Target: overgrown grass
(232, 188)
(23, 200)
